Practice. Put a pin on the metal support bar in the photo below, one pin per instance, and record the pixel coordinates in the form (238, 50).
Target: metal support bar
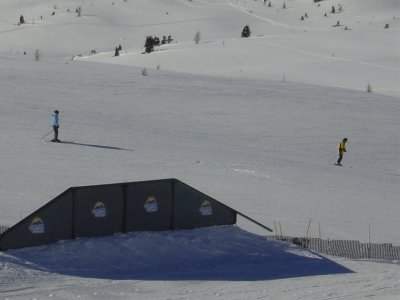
(254, 221)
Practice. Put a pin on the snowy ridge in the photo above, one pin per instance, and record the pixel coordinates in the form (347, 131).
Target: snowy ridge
(308, 51)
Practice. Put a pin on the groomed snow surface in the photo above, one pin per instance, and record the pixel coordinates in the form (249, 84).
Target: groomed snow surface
(252, 122)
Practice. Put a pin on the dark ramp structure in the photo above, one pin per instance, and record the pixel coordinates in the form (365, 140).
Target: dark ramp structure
(100, 210)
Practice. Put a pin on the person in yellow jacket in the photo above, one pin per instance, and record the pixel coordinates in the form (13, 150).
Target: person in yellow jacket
(341, 150)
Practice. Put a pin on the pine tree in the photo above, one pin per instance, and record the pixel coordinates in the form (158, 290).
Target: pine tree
(38, 55)
(149, 44)
(246, 31)
(197, 37)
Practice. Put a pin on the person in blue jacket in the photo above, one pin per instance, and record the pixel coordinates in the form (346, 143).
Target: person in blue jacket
(55, 123)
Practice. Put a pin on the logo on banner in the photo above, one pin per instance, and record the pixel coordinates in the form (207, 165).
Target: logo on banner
(206, 208)
(99, 210)
(37, 226)
(151, 204)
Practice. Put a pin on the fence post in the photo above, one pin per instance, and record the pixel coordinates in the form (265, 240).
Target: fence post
(319, 230)
(308, 228)
(369, 240)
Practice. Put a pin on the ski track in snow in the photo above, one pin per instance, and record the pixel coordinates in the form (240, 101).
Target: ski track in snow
(330, 57)
(249, 172)
(270, 21)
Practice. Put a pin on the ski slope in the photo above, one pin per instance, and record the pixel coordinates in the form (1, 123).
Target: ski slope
(251, 122)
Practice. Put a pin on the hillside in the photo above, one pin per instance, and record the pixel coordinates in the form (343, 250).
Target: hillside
(251, 122)
(313, 51)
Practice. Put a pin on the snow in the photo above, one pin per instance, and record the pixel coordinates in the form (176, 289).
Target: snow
(145, 266)
(251, 122)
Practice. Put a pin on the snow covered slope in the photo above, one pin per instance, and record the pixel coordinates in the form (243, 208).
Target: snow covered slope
(213, 263)
(261, 139)
(281, 45)
(264, 148)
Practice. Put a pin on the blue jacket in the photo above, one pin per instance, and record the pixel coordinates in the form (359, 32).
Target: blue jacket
(54, 120)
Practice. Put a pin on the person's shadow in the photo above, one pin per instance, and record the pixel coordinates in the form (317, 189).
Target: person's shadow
(225, 253)
(95, 146)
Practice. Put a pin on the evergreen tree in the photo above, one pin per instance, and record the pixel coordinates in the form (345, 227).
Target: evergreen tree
(38, 55)
(149, 44)
(21, 20)
(246, 31)
(197, 37)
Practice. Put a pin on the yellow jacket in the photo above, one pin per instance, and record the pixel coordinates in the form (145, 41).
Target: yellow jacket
(342, 147)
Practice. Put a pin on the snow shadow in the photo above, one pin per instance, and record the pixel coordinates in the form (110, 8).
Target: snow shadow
(95, 146)
(225, 253)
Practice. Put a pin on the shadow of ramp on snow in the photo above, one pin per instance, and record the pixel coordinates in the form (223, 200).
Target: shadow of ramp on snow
(225, 253)
(95, 146)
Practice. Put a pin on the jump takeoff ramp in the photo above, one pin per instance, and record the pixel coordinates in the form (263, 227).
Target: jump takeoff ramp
(100, 210)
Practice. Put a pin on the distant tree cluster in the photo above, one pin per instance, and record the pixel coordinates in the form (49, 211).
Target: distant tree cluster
(155, 41)
(333, 10)
(265, 3)
(303, 17)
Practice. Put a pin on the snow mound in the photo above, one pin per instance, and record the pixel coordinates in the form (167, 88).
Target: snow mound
(216, 253)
